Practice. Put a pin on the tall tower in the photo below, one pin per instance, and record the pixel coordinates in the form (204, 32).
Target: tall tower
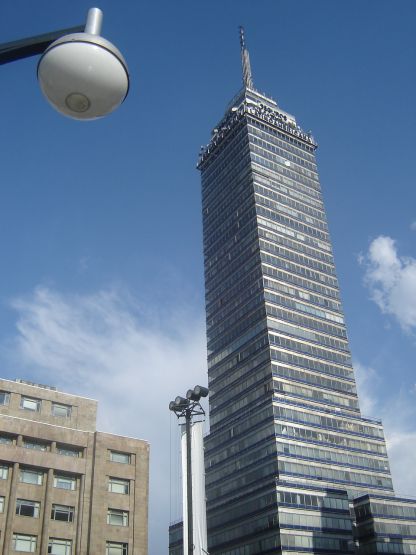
(288, 448)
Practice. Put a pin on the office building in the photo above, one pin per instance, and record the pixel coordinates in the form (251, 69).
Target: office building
(66, 488)
(288, 448)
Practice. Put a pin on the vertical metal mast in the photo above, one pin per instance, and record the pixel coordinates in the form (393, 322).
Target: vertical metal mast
(245, 60)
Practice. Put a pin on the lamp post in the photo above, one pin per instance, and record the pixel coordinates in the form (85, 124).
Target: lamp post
(81, 74)
(187, 408)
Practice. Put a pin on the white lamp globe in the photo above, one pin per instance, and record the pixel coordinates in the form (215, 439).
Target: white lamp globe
(83, 76)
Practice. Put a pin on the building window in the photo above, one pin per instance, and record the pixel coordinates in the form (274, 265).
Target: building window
(61, 410)
(4, 472)
(27, 508)
(68, 451)
(63, 481)
(37, 445)
(63, 513)
(23, 542)
(2, 504)
(7, 440)
(27, 403)
(116, 456)
(118, 485)
(116, 548)
(31, 477)
(4, 397)
(59, 547)
(116, 517)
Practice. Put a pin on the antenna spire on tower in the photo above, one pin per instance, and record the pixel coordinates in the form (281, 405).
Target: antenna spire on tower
(245, 60)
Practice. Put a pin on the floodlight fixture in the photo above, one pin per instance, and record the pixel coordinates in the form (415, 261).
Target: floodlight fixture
(196, 393)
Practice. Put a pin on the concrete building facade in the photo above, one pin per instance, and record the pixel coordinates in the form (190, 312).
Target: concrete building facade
(66, 488)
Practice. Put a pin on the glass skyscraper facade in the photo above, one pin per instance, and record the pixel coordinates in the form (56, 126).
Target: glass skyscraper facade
(288, 449)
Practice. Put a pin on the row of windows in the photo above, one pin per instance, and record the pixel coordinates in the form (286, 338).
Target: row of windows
(228, 203)
(259, 417)
(322, 472)
(291, 223)
(284, 155)
(304, 434)
(310, 349)
(295, 246)
(259, 168)
(388, 547)
(218, 326)
(224, 228)
(296, 214)
(325, 422)
(35, 405)
(306, 244)
(219, 395)
(238, 404)
(306, 261)
(56, 546)
(403, 511)
(290, 277)
(301, 157)
(235, 368)
(305, 240)
(254, 525)
(302, 294)
(313, 501)
(64, 513)
(347, 459)
(302, 307)
(315, 337)
(305, 321)
(253, 457)
(292, 541)
(282, 194)
(28, 544)
(268, 160)
(310, 363)
(241, 508)
(67, 450)
(305, 377)
(293, 268)
(301, 149)
(313, 521)
(315, 394)
(63, 481)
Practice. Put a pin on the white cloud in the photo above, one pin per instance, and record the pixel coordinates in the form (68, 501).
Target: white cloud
(413, 226)
(108, 347)
(398, 416)
(391, 280)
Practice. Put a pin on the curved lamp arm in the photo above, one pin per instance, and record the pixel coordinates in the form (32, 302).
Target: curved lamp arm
(32, 46)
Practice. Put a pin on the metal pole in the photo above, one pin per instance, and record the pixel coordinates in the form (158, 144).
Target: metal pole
(94, 21)
(188, 419)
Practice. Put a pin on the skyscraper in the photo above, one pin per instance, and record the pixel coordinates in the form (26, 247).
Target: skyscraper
(288, 449)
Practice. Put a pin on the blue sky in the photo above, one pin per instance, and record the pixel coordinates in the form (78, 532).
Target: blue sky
(101, 282)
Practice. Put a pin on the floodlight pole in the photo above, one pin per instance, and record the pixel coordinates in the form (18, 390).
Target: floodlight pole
(187, 408)
(188, 421)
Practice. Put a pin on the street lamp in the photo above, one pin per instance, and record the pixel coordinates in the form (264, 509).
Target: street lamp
(82, 75)
(187, 408)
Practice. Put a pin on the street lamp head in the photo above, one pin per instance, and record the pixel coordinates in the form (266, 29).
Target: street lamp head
(83, 75)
